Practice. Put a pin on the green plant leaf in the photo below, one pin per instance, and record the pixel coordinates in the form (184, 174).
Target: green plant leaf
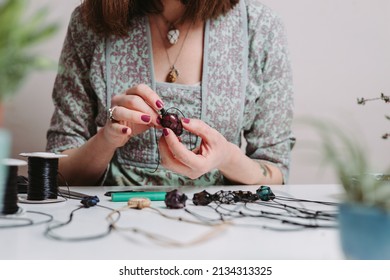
(347, 156)
(18, 36)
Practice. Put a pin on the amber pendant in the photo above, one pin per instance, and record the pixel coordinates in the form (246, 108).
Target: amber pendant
(172, 75)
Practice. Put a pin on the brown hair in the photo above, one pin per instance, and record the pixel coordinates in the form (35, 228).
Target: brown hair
(114, 16)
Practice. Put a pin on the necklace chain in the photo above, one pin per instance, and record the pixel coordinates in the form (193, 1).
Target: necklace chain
(173, 33)
(171, 24)
(173, 73)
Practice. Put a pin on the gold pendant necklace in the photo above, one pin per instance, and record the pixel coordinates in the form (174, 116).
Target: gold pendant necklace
(173, 73)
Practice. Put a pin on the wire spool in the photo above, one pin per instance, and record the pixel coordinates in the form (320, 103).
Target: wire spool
(8, 203)
(42, 178)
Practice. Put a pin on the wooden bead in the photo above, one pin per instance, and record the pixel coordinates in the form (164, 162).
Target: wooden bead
(139, 203)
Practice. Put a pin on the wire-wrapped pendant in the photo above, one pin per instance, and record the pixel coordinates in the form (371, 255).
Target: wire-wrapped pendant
(172, 75)
(172, 121)
(202, 198)
(175, 200)
(173, 35)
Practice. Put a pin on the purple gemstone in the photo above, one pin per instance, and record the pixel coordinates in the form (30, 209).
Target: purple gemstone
(175, 200)
(172, 121)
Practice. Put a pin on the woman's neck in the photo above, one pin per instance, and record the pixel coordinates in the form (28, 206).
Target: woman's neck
(173, 10)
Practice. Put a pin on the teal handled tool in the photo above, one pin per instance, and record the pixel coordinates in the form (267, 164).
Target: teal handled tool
(125, 196)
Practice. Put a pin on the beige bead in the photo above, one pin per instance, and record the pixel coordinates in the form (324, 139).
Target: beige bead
(139, 203)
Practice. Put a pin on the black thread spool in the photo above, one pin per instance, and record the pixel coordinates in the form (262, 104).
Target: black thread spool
(10, 199)
(42, 176)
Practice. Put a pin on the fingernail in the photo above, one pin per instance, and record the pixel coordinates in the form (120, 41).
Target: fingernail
(165, 132)
(145, 118)
(185, 120)
(159, 104)
(158, 121)
(124, 130)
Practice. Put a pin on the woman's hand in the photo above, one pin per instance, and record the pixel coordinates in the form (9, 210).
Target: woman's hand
(132, 113)
(213, 152)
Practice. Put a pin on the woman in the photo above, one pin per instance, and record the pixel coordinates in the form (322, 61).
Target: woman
(220, 65)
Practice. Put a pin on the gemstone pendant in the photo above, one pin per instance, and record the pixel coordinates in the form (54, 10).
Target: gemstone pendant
(172, 121)
(173, 35)
(172, 75)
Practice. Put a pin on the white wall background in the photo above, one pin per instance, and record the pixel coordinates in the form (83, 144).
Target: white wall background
(340, 50)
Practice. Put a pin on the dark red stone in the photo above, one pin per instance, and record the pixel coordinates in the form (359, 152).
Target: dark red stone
(172, 121)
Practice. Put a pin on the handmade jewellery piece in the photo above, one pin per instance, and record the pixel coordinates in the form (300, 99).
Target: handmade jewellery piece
(272, 212)
(202, 198)
(175, 200)
(226, 197)
(172, 121)
(265, 193)
(173, 73)
(53, 230)
(139, 202)
(173, 32)
(89, 201)
(173, 35)
(111, 114)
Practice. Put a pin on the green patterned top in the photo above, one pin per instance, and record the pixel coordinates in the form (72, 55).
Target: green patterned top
(245, 92)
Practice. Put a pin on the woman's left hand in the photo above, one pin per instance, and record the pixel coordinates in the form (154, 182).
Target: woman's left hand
(213, 152)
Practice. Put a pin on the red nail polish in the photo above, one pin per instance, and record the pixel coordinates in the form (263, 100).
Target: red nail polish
(165, 132)
(158, 121)
(185, 120)
(124, 130)
(159, 104)
(145, 118)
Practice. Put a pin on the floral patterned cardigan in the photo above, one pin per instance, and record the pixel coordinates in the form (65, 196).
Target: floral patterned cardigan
(245, 92)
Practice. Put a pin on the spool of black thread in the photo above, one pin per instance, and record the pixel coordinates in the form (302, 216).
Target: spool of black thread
(10, 199)
(10, 205)
(42, 176)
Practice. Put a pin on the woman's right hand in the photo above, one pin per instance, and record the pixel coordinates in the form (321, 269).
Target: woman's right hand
(133, 112)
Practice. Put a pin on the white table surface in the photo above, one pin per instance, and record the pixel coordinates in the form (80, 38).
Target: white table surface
(244, 243)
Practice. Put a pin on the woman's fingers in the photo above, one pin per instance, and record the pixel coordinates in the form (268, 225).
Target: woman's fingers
(177, 157)
(147, 94)
(168, 157)
(117, 134)
(119, 113)
(201, 129)
(137, 105)
(211, 154)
